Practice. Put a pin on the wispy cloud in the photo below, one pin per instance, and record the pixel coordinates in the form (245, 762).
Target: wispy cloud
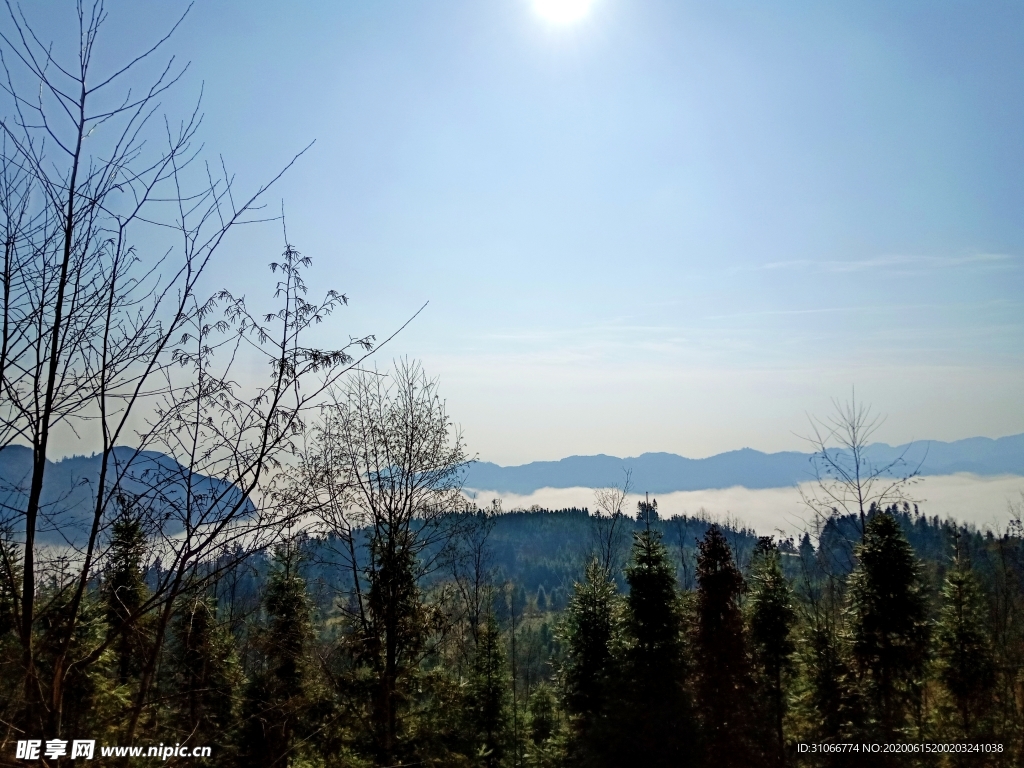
(902, 263)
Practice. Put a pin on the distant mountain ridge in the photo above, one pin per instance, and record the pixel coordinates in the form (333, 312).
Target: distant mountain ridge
(667, 472)
(69, 489)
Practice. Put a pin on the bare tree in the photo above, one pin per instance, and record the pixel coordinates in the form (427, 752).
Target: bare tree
(109, 221)
(383, 471)
(609, 530)
(472, 570)
(846, 480)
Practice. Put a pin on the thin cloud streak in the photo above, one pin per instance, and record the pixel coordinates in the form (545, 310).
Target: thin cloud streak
(697, 331)
(901, 263)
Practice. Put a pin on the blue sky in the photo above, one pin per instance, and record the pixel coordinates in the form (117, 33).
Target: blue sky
(671, 226)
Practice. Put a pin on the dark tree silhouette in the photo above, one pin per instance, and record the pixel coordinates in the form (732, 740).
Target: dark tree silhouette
(125, 591)
(720, 651)
(589, 631)
(889, 626)
(771, 620)
(489, 695)
(657, 719)
(207, 678)
(278, 694)
(963, 649)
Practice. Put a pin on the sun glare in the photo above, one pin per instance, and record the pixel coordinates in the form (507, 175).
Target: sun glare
(562, 11)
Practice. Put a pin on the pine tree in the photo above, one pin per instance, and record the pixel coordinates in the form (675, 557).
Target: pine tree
(723, 672)
(92, 700)
(771, 621)
(10, 669)
(277, 696)
(657, 717)
(836, 711)
(963, 650)
(125, 591)
(10, 575)
(207, 677)
(489, 695)
(589, 630)
(647, 512)
(543, 747)
(888, 626)
(543, 709)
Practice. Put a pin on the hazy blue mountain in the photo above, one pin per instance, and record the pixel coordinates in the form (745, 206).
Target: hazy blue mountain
(69, 490)
(667, 472)
(69, 487)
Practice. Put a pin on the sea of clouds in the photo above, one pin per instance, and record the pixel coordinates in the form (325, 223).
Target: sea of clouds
(986, 502)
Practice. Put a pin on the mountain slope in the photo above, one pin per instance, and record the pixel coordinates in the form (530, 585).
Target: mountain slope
(69, 490)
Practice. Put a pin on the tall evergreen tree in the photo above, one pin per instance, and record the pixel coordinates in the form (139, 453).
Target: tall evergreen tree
(489, 695)
(657, 719)
(125, 591)
(92, 700)
(589, 630)
(888, 626)
(542, 708)
(827, 687)
(277, 696)
(10, 669)
(836, 713)
(771, 621)
(963, 649)
(207, 677)
(10, 573)
(720, 650)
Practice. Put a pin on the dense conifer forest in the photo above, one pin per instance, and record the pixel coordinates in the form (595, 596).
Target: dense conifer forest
(700, 645)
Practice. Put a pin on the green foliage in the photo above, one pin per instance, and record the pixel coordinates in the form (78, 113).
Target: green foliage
(590, 629)
(656, 676)
(772, 617)
(543, 709)
(10, 579)
(834, 711)
(657, 721)
(545, 740)
(93, 701)
(125, 591)
(963, 649)
(393, 637)
(207, 678)
(278, 694)
(490, 695)
(723, 679)
(889, 628)
(10, 661)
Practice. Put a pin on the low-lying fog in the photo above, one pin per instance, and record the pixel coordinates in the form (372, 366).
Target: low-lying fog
(985, 502)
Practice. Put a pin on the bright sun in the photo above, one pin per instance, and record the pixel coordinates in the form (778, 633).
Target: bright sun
(562, 11)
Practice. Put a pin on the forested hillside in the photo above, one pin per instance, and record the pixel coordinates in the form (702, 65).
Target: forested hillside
(560, 638)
